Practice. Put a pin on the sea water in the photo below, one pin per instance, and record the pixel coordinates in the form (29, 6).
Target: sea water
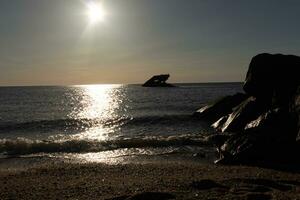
(106, 123)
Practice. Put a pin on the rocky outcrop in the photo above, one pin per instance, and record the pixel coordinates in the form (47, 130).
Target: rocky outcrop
(296, 108)
(265, 123)
(270, 137)
(247, 111)
(158, 81)
(273, 78)
(221, 107)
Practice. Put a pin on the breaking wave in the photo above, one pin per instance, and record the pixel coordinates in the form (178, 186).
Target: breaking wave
(25, 146)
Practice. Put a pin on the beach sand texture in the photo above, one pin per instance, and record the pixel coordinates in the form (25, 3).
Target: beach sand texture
(149, 181)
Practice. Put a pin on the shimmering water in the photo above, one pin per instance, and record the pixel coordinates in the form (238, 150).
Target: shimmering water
(103, 122)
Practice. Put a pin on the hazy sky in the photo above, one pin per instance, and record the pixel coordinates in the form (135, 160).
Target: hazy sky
(50, 42)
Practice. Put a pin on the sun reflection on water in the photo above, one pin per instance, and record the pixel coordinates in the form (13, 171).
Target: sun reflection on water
(100, 101)
(99, 104)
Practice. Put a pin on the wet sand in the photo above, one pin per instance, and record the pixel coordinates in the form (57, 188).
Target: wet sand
(149, 181)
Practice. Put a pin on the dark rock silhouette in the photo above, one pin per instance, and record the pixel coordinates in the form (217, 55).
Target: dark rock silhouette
(296, 107)
(272, 136)
(264, 123)
(273, 78)
(158, 81)
(247, 111)
(220, 108)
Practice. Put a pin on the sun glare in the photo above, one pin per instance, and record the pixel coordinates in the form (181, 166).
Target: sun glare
(95, 12)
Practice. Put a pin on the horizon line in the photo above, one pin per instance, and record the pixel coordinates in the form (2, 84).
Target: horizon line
(73, 85)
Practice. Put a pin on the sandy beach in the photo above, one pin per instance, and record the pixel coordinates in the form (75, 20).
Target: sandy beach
(149, 181)
(149, 100)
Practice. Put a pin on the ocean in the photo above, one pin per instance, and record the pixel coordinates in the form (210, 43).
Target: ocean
(106, 123)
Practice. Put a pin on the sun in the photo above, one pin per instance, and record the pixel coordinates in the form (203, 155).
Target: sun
(95, 12)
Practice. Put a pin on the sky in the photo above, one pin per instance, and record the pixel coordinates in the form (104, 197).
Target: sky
(52, 42)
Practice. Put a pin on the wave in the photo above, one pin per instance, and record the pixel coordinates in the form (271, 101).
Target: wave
(57, 124)
(22, 146)
(82, 124)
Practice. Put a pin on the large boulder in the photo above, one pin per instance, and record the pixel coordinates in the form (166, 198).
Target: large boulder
(247, 111)
(273, 77)
(276, 124)
(264, 124)
(271, 136)
(221, 107)
(296, 108)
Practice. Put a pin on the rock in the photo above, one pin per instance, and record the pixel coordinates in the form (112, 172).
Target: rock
(220, 108)
(237, 149)
(218, 125)
(199, 155)
(158, 81)
(218, 140)
(273, 77)
(247, 111)
(257, 83)
(271, 136)
(277, 124)
(296, 109)
(265, 122)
